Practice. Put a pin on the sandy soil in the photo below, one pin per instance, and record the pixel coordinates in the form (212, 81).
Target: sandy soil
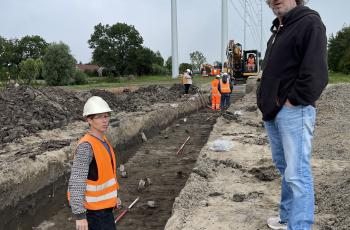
(26, 110)
(35, 156)
(236, 189)
(239, 189)
(155, 159)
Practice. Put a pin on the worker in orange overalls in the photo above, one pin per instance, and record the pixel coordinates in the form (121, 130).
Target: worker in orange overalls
(93, 185)
(251, 63)
(215, 93)
(225, 88)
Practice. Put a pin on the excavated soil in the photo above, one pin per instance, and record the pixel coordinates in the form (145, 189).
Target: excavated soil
(26, 110)
(36, 124)
(155, 161)
(242, 195)
(332, 144)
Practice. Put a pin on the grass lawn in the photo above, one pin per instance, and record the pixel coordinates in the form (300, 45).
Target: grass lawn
(338, 78)
(102, 82)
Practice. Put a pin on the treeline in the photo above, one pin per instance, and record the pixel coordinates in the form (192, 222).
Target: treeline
(339, 51)
(31, 58)
(117, 48)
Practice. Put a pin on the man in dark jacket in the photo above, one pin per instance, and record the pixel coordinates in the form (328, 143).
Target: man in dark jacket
(294, 76)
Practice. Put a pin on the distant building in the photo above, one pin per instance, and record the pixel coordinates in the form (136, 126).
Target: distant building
(87, 67)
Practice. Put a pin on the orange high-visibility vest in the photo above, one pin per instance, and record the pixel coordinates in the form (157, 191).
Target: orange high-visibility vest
(225, 87)
(214, 86)
(101, 194)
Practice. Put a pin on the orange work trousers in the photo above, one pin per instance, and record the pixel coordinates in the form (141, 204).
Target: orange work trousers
(215, 101)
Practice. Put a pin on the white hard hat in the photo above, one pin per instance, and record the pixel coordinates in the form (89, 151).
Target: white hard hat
(218, 76)
(188, 70)
(95, 105)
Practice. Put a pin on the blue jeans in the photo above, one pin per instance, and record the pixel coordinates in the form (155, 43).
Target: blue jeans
(225, 100)
(290, 135)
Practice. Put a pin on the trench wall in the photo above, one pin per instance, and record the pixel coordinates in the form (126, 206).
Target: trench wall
(31, 184)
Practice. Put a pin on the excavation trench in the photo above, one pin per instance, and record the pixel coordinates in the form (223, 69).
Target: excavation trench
(37, 181)
(37, 167)
(168, 172)
(155, 159)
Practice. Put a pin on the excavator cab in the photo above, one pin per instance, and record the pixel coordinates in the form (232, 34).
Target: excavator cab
(250, 63)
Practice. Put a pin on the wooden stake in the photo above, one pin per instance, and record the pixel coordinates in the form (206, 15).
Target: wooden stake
(182, 145)
(125, 211)
(209, 117)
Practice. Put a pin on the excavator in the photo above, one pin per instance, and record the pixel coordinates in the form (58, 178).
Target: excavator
(240, 65)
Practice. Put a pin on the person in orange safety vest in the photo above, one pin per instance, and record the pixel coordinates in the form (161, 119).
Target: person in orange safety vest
(225, 88)
(93, 185)
(215, 93)
(251, 63)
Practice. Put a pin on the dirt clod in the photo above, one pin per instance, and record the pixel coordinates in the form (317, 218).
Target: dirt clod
(265, 173)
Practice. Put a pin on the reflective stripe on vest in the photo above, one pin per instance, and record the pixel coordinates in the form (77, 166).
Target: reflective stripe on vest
(91, 199)
(96, 188)
(225, 87)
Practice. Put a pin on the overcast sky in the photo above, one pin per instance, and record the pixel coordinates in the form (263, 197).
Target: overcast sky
(73, 21)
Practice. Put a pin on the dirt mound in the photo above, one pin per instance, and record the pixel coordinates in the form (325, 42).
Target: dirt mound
(26, 110)
(332, 142)
(143, 97)
(332, 199)
(333, 123)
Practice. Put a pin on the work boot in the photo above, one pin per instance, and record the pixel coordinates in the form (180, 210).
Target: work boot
(276, 223)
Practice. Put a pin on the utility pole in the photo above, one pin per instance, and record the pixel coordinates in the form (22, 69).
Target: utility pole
(245, 25)
(224, 33)
(261, 27)
(174, 41)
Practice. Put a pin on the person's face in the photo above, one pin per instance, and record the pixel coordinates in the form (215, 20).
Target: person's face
(281, 7)
(99, 122)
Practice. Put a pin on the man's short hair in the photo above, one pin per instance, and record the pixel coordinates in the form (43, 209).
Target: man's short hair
(299, 2)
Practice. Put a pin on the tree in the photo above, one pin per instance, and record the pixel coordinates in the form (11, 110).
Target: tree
(79, 77)
(344, 63)
(2, 50)
(184, 66)
(32, 47)
(168, 64)
(9, 58)
(158, 59)
(339, 51)
(113, 44)
(58, 64)
(9, 54)
(14, 51)
(144, 61)
(197, 58)
(29, 70)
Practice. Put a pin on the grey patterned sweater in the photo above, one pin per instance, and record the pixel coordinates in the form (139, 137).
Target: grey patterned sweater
(77, 182)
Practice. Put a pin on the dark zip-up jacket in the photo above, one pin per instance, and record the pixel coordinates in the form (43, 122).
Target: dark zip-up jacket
(295, 63)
